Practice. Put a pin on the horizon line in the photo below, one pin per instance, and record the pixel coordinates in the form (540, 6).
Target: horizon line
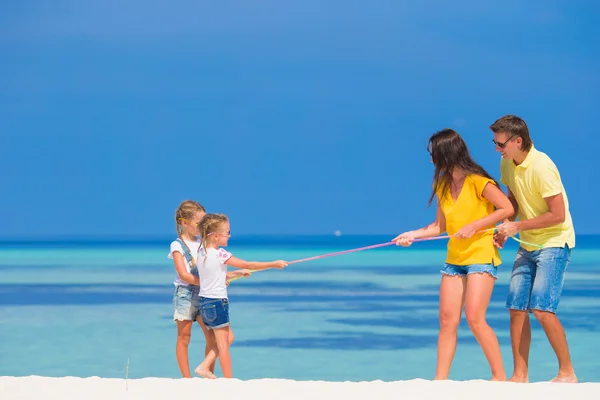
(137, 237)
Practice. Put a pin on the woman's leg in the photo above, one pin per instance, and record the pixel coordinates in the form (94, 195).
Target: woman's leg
(479, 292)
(452, 291)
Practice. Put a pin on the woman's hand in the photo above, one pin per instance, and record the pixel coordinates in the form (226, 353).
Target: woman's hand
(404, 239)
(466, 232)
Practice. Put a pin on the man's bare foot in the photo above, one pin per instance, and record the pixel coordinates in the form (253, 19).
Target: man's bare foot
(205, 373)
(565, 379)
(498, 378)
(440, 378)
(519, 379)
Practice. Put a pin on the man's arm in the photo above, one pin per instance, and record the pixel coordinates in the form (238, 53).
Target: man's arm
(554, 216)
(515, 205)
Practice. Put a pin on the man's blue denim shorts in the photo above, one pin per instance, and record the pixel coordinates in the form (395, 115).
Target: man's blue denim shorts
(186, 303)
(214, 312)
(464, 270)
(537, 279)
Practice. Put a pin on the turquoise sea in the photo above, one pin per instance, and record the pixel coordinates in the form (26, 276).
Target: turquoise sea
(87, 307)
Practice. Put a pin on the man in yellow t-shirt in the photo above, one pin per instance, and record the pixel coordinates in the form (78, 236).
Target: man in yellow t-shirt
(542, 208)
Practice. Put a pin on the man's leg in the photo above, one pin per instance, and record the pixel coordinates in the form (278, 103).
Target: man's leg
(545, 296)
(518, 304)
(520, 337)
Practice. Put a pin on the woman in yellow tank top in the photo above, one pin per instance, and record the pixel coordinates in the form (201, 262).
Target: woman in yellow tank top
(469, 201)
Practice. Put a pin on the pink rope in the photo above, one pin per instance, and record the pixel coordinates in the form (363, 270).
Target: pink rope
(362, 248)
(352, 251)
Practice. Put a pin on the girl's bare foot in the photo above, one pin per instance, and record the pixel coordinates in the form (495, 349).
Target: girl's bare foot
(498, 378)
(204, 372)
(565, 379)
(519, 379)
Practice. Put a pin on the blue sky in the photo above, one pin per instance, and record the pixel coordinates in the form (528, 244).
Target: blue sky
(290, 117)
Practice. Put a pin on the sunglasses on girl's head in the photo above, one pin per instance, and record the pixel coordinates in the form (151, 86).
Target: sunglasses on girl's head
(221, 233)
(503, 145)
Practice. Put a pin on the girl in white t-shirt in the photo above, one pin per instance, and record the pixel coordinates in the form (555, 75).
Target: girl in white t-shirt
(214, 305)
(186, 303)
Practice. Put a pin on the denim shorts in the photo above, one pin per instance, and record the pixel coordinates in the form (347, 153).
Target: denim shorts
(186, 303)
(214, 312)
(537, 279)
(464, 270)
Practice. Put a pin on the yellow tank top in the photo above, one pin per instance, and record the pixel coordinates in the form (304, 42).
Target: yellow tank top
(469, 206)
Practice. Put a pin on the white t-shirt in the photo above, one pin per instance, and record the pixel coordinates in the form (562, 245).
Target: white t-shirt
(213, 273)
(194, 249)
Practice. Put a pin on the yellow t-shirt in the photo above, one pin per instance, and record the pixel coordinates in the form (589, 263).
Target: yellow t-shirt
(470, 206)
(530, 182)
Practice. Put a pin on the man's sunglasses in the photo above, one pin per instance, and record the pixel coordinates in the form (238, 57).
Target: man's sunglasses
(503, 145)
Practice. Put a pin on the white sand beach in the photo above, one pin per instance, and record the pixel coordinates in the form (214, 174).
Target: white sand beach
(37, 387)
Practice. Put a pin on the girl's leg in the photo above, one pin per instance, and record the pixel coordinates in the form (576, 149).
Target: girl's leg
(184, 332)
(452, 291)
(230, 336)
(222, 337)
(205, 369)
(212, 366)
(479, 292)
(211, 344)
(215, 314)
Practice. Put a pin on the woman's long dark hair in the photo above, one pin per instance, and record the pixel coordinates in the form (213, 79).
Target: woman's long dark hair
(448, 151)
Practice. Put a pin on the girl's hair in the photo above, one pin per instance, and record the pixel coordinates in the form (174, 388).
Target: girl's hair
(448, 150)
(210, 224)
(186, 210)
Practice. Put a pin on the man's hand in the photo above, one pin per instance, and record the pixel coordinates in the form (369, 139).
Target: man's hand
(499, 240)
(508, 228)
